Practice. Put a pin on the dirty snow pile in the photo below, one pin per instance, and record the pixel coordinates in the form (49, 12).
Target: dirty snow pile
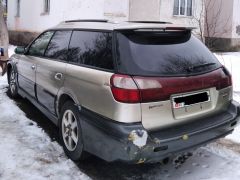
(232, 62)
(26, 152)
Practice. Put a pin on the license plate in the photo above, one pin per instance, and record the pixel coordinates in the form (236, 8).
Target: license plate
(190, 99)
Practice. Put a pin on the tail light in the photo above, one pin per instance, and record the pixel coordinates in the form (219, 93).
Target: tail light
(137, 89)
(124, 89)
(226, 79)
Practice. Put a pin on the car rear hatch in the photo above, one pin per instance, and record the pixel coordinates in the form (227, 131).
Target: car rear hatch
(172, 74)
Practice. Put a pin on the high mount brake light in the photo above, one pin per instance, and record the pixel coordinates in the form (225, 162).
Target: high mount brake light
(137, 89)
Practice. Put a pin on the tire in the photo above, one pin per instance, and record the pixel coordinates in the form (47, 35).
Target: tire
(71, 132)
(13, 86)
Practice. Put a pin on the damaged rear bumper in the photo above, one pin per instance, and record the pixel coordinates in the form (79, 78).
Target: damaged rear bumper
(131, 143)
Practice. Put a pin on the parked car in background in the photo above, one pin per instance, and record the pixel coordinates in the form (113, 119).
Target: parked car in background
(132, 91)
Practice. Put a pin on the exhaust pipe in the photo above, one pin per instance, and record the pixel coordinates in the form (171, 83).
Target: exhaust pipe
(179, 160)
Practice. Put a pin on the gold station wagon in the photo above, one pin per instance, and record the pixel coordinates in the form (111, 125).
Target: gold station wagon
(130, 91)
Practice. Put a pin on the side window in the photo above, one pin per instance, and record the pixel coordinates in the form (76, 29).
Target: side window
(39, 46)
(58, 46)
(92, 49)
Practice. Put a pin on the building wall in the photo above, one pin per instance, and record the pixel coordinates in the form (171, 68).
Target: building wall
(196, 20)
(219, 18)
(144, 11)
(166, 12)
(116, 10)
(236, 19)
(162, 10)
(33, 19)
(223, 20)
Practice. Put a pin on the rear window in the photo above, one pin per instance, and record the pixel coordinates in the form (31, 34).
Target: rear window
(175, 53)
(92, 49)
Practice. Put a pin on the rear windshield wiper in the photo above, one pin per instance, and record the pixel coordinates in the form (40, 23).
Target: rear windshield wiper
(200, 66)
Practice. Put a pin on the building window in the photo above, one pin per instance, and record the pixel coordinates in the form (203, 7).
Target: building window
(18, 8)
(46, 6)
(182, 8)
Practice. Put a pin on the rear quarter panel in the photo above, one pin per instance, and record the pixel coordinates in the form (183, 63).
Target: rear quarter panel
(91, 89)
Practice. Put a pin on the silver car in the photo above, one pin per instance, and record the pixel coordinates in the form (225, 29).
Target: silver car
(137, 92)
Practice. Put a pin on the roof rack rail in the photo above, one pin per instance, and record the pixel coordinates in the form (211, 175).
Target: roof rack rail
(152, 22)
(87, 20)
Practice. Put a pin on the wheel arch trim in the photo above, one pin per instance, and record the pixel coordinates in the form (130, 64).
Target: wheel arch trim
(67, 93)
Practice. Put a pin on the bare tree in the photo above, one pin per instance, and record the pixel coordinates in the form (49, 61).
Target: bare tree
(211, 23)
(4, 39)
(199, 19)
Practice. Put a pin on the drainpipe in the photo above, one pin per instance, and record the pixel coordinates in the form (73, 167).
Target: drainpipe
(160, 5)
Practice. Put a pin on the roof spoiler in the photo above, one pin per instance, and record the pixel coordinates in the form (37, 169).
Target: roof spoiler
(87, 20)
(150, 22)
(152, 29)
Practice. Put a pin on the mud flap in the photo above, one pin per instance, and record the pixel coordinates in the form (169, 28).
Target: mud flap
(3, 62)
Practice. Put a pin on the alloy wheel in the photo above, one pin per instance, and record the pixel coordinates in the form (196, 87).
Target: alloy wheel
(13, 84)
(70, 130)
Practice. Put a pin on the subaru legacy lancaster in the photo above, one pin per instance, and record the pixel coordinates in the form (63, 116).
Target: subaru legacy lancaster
(137, 92)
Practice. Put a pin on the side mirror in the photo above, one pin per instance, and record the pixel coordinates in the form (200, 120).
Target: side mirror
(3, 61)
(20, 50)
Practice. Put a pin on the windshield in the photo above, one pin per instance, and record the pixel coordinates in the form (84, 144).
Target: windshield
(175, 53)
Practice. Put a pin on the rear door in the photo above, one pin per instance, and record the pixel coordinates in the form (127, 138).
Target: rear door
(90, 69)
(179, 79)
(51, 69)
(27, 64)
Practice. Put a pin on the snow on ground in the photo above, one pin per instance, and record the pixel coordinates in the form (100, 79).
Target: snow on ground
(235, 136)
(232, 62)
(26, 152)
(213, 162)
(11, 49)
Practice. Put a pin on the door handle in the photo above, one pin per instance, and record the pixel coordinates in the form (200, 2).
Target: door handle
(33, 67)
(58, 76)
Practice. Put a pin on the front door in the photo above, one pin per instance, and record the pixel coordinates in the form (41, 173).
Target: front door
(26, 74)
(27, 64)
(51, 69)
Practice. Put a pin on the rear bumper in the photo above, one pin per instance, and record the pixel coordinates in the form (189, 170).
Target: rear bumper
(123, 142)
